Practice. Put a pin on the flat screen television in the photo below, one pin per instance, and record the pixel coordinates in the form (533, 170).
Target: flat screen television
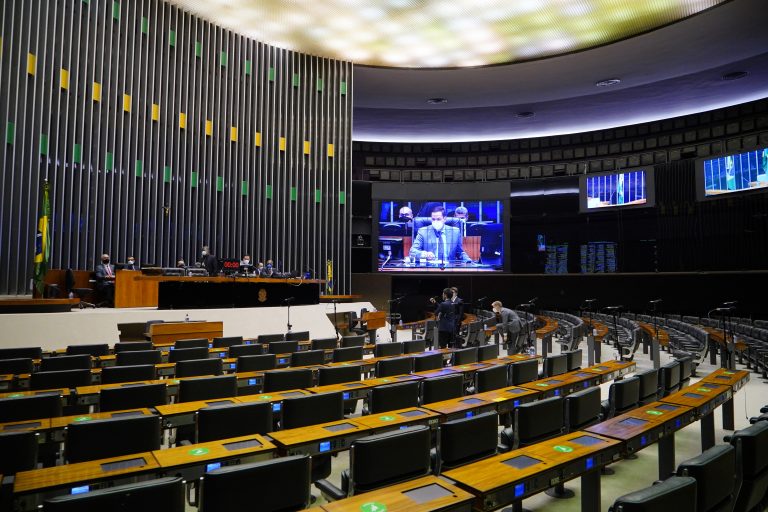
(729, 174)
(630, 188)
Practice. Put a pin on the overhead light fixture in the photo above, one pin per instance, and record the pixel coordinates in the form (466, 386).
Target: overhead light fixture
(735, 75)
(437, 101)
(524, 115)
(608, 82)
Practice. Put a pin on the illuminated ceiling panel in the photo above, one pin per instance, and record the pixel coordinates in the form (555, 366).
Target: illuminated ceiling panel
(442, 33)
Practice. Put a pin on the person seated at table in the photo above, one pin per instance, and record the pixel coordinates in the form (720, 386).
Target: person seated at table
(131, 264)
(246, 260)
(438, 241)
(180, 263)
(269, 269)
(105, 280)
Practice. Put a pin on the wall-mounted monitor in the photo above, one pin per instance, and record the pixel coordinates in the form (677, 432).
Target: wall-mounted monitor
(737, 173)
(631, 188)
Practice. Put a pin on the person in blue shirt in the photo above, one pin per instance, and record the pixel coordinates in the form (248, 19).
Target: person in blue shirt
(438, 241)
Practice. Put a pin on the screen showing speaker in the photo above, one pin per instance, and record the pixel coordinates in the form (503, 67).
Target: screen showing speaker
(742, 172)
(616, 189)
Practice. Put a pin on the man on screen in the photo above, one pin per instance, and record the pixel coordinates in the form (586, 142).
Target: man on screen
(438, 241)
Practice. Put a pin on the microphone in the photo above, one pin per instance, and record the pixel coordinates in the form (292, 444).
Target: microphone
(533, 300)
(389, 255)
(335, 301)
(589, 301)
(482, 299)
(731, 303)
(723, 310)
(656, 301)
(613, 308)
(289, 300)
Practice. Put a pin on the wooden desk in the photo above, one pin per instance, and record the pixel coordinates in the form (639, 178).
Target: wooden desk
(737, 379)
(611, 370)
(383, 381)
(445, 497)
(331, 437)
(40, 425)
(166, 333)
(461, 407)
(177, 415)
(6, 382)
(565, 384)
(276, 398)
(63, 392)
(393, 420)
(60, 423)
(89, 395)
(31, 488)
(704, 398)
(351, 390)
(133, 292)
(506, 399)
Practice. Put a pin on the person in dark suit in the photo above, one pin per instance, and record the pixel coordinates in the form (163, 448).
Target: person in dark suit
(438, 241)
(458, 307)
(509, 324)
(209, 261)
(446, 320)
(105, 280)
(131, 264)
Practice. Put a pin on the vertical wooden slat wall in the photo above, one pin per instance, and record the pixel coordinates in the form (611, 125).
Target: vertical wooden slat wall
(160, 132)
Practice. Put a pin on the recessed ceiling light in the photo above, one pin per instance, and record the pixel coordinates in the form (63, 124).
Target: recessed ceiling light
(525, 115)
(735, 75)
(608, 82)
(436, 101)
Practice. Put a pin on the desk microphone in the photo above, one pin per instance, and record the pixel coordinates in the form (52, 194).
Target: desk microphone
(389, 255)
(731, 303)
(656, 301)
(289, 300)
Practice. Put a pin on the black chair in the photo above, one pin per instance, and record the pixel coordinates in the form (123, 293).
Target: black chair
(60, 379)
(283, 380)
(207, 388)
(523, 372)
(198, 367)
(534, 422)
(308, 358)
(256, 363)
(488, 379)
(86, 295)
(21, 352)
(132, 346)
(324, 344)
(116, 374)
(428, 362)
(132, 358)
(16, 366)
(283, 347)
(353, 341)
(276, 485)
(236, 420)
(554, 365)
(338, 374)
(487, 352)
(394, 366)
(344, 354)
(388, 349)
(19, 451)
(191, 343)
(676, 493)
(101, 439)
(227, 341)
(392, 397)
(438, 389)
(752, 461)
(382, 460)
(166, 494)
(414, 346)
(54, 364)
(133, 397)
(187, 354)
(297, 336)
(464, 356)
(308, 410)
(101, 349)
(466, 440)
(30, 407)
(574, 359)
(649, 386)
(245, 350)
(717, 483)
(669, 378)
(686, 369)
(623, 395)
(270, 338)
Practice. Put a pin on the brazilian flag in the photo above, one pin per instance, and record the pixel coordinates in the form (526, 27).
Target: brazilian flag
(329, 277)
(43, 242)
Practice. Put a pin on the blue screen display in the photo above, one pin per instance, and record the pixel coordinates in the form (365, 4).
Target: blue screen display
(80, 490)
(276, 407)
(620, 189)
(325, 446)
(735, 173)
(212, 466)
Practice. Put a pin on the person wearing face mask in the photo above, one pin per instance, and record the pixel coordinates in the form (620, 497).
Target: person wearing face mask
(209, 261)
(131, 264)
(180, 263)
(509, 324)
(446, 320)
(438, 241)
(105, 280)
(269, 269)
(259, 270)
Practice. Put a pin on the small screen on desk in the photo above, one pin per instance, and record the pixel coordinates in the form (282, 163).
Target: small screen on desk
(22, 426)
(723, 377)
(410, 414)
(633, 422)
(339, 427)
(131, 384)
(580, 374)
(292, 394)
(124, 414)
(80, 490)
(516, 391)
(212, 466)
(124, 464)
(427, 493)
(695, 396)
(241, 445)
(353, 385)
(709, 385)
(472, 401)
(586, 440)
(521, 462)
(218, 403)
(554, 381)
(325, 446)
(667, 407)
(601, 368)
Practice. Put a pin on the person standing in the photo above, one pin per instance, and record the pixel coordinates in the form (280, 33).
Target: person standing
(458, 307)
(105, 280)
(446, 320)
(508, 324)
(209, 261)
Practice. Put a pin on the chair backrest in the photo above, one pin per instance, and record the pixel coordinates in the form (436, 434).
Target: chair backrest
(17, 352)
(582, 409)
(438, 389)
(464, 356)
(649, 385)
(100, 439)
(488, 379)
(227, 341)
(235, 420)
(394, 396)
(307, 358)
(715, 474)
(197, 367)
(283, 347)
(353, 341)
(101, 349)
(384, 459)
(256, 363)
(115, 374)
(394, 366)
(686, 368)
(253, 349)
(388, 349)
(428, 362)
(537, 421)
(282, 380)
(623, 395)
(466, 440)
(270, 338)
(324, 344)
(574, 359)
(555, 365)
(187, 354)
(669, 378)
(60, 379)
(308, 410)
(134, 357)
(30, 407)
(277, 484)
(166, 494)
(297, 336)
(19, 451)
(338, 374)
(522, 372)
(76, 362)
(676, 493)
(414, 346)
(191, 343)
(206, 388)
(128, 346)
(487, 352)
(753, 461)
(16, 366)
(133, 397)
(344, 354)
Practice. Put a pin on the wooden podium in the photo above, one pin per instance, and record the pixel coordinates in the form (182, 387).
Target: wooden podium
(166, 333)
(374, 320)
